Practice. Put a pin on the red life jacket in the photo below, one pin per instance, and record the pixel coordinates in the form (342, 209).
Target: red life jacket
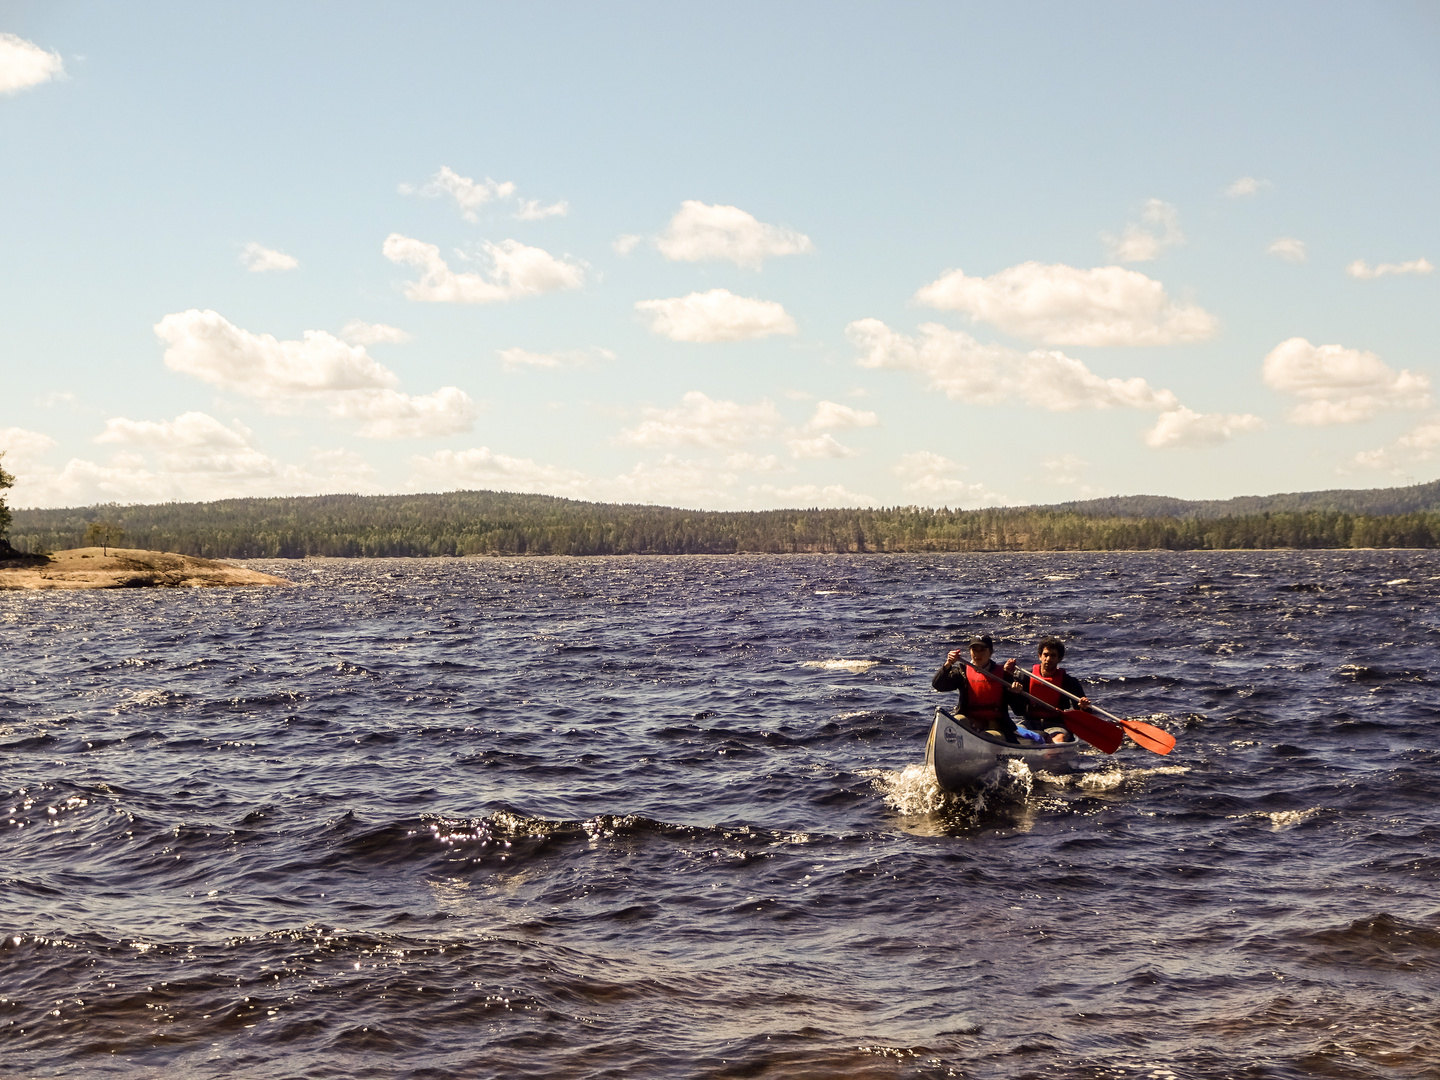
(986, 697)
(1053, 698)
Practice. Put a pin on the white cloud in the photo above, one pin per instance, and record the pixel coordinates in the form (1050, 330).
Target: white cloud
(717, 315)
(1247, 186)
(1141, 243)
(1182, 427)
(469, 195)
(357, 332)
(1061, 305)
(389, 414)
(700, 232)
(807, 495)
(1417, 445)
(514, 359)
(258, 259)
(207, 346)
(625, 243)
(18, 444)
(1363, 270)
(24, 64)
(516, 271)
(818, 446)
(195, 458)
(702, 421)
(1337, 385)
(954, 362)
(673, 480)
(1289, 249)
(830, 416)
(531, 210)
(194, 442)
(285, 374)
(480, 467)
(935, 478)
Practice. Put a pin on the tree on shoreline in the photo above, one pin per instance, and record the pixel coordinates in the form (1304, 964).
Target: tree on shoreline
(7, 480)
(104, 534)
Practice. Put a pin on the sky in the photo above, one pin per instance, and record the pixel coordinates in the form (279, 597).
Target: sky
(734, 256)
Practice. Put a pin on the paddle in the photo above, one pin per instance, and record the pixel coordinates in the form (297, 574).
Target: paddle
(1152, 738)
(1100, 734)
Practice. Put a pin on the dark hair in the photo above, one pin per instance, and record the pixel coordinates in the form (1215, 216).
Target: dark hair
(1052, 643)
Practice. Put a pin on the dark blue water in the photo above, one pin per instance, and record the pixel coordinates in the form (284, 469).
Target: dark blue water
(655, 817)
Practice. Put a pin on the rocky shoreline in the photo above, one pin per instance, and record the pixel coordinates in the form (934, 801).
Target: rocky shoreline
(122, 568)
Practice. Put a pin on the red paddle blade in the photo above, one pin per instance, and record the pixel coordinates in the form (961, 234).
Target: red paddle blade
(1101, 734)
(1156, 740)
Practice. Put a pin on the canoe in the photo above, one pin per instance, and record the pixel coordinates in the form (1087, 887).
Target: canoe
(960, 754)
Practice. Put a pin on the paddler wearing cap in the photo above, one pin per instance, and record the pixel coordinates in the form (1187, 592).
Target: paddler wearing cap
(984, 702)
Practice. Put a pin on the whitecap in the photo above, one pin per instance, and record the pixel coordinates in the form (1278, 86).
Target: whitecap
(855, 667)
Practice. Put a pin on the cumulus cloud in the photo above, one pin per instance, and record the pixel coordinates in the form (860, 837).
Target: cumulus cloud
(674, 480)
(389, 414)
(285, 374)
(1364, 271)
(1159, 229)
(1247, 186)
(818, 446)
(532, 210)
(717, 315)
(1061, 305)
(1337, 385)
(469, 195)
(1182, 427)
(24, 64)
(480, 467)
(1289, 249)
(207, 346)
(702, 421)
(20, 444)
(194, 442)
(830, 416)
(515, 271)
(625, 243)
(192, 457)
(935, 478)
(699, 232)
(357, 332)
(965, 370)
(515, 359)
(258, 259)
(1419, 444)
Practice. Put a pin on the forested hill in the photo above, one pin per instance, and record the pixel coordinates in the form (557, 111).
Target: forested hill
(502, 523)
(1418, 498)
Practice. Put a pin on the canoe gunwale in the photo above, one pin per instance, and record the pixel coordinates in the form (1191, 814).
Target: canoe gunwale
(959, 754)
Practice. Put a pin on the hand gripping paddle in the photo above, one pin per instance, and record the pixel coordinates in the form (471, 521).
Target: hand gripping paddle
(1101, 734)
(1156, 740)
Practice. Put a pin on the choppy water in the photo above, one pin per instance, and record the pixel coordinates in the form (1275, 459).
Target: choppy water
(665, 817)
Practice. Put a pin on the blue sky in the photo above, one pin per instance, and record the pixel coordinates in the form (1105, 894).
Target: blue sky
(734, 256)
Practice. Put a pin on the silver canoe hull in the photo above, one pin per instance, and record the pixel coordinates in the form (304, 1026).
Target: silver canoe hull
(960, 755)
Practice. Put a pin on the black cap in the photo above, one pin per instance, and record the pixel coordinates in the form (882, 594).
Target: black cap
(983, 639)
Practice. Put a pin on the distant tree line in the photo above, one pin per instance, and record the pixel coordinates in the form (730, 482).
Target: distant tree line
(501, 523)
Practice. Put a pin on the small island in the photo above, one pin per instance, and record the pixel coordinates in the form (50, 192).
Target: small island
(122, 568)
